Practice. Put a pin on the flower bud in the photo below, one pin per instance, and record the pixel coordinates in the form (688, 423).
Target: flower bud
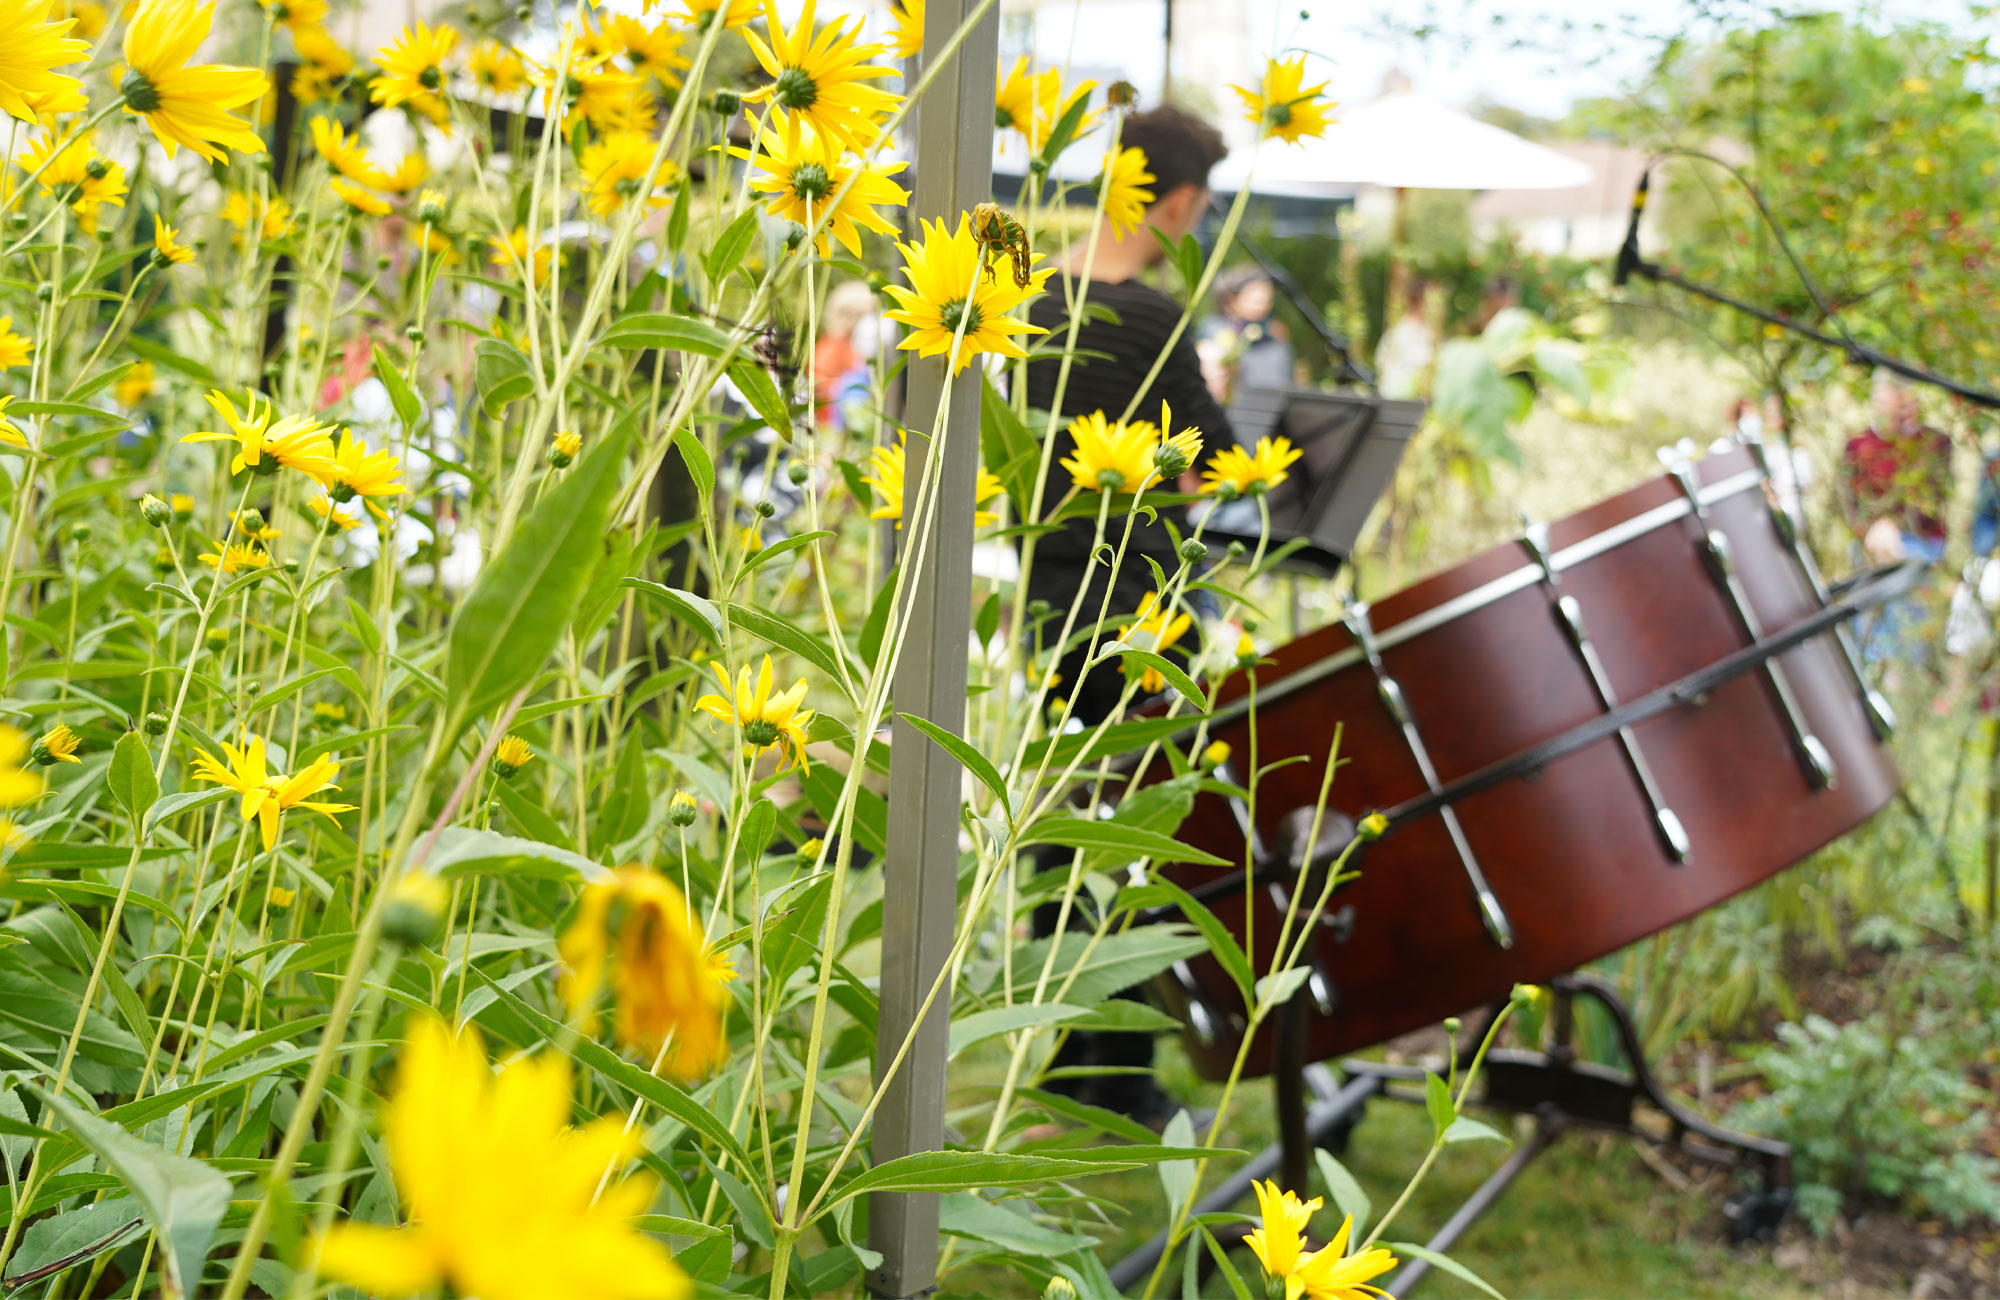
(765, 509)
(414, 333)
(430, 208)
(1452, 1024)
(1246, 651)
(1237, 550)
(1121, 94)
(79, 532)
(1215, 755)
(794, 237)
(381, 261)
(1526, 995)
(217, 639)
(510, 756)
(155, 511)
(415, 906)
(726, 103)
(681, 809)
(1039, 608)
(156, 723)
(1372, 827)
(798, 473)
(1059, 1288)
(810, 850)
(1194, 550)
(251, 522)
(565, 448)
(1038, 166)
(45, 292)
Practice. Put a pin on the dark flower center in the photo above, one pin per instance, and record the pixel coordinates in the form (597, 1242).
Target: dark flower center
(140, 95)
(810, 181)
(430, 78)
(795, 89)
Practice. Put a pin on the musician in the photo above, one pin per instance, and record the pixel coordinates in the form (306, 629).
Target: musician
(1180, 149)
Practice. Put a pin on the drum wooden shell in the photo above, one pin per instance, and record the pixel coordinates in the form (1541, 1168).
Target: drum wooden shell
(1571, 852)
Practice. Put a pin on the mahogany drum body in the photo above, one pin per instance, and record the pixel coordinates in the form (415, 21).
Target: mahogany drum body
(1579, 857)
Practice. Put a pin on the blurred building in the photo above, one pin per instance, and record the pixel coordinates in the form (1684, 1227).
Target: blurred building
(1587, 221)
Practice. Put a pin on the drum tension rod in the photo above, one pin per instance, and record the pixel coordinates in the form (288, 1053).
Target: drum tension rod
(1391, 694)
(1721, 563)
(1880, 716)
(1569, 612)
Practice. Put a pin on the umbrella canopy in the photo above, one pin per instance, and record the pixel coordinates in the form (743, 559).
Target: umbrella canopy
(1403, 141)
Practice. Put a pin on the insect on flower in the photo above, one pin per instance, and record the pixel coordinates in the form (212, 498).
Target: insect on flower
(999, 235)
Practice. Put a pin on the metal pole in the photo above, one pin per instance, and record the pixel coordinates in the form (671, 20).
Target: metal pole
(920, 870)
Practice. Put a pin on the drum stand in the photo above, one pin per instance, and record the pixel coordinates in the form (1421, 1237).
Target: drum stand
(1562, 1092)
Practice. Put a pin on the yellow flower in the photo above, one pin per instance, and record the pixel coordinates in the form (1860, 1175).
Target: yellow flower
(610, 99)
(737, 13)
(90, 17)
(886, 477)
(362, 201)
(565, 447)
(332, 513)
(505, 1199)
(76, 174)
(1156, 630)
(58, 745)
(32, 42)
(356, 471)
(236, 557)
(510, 756)
(1125, 194)
(186, 105)
(1031, 103)
(165, 249)
(653, 51)
(328, 714)
(804, 170)
(274, 216)
(268, 443)
(752, 539)
(1333, 1274)
(944, 271)
(511, 252)
(907, 18)
(136, 384)
(268, 795)
(822, 77)
(682, 809)
(1277, 1243)
(18, 785)
(9, 433)
(323, 63)
(14, 348)
(1234, 472)
(1283, 107)
(282, 897)
(496, 67)
(662, 981)
(345, 154)
(614, 171)
(297, 15)
(1215, 755)
(408, 174)
(1111, 457)
(766, 721)
(413, 73)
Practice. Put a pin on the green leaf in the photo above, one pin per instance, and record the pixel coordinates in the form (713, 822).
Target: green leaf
(183, 1197)
(1064, 131)
(666, 332)
(971, 759)
(786, 635)
(1089, 833)
(73, 1237)
(1445, 1262)
(500, 374)
(960, 1171)
(1228, 1270)
(130, 776)
(1009, 450)
(409, 409)
(877, 622)
(1118, 738)
(1115, 962)
(731, 246)
(700, 466)
(624, 813)
(1437, 1101)
(1467, 1129)
(1097, 1117)
(963, 1214)
(1220, 941)
(758, 389)
(689, 608)
(1346, 1191)
(524, 600)
(462, 851)
(982, 1025)
(786, 547)
(162, 355)
(1176, 675)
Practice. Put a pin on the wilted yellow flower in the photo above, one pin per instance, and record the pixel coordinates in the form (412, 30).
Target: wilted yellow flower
(413, 72)
(14, 348)
(505, 1199)
(1111, 456)
(944, 271)
(614, 170)
(1125, 194)
(804, 171)
(268, 795)
(510, 756)
(362, 201)
(496, 67)
(18, 785)
(266, 442)
(1285, 108)
(186, 105)
(822, 76)
(1234, 472)
(886, 468)
(765, 721)
(1154, 629)
(58, 745)
(661, 980)
(33, 41)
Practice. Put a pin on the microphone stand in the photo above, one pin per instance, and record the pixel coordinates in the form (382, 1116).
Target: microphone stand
(1337, 344)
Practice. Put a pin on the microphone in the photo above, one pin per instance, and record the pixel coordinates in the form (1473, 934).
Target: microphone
(1628, 252)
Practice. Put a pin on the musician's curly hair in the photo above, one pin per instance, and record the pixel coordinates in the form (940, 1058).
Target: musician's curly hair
(1180, 147)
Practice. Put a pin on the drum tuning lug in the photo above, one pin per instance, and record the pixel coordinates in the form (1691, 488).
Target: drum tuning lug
(1497, 924)
(1880, 715)
(1672, 834)
(1819, 761)
(1322, 991)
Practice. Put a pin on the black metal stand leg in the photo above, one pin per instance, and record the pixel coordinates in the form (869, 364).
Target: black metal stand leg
(1288, 1082)
(1324, 1119)
(1547, 1130)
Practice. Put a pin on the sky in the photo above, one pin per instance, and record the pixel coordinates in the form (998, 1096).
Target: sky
(1536, 55)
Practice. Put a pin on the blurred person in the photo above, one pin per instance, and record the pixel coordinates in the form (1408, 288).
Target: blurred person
(850, 330)
(1250, 349)
(1898, 480)
(1404, 357)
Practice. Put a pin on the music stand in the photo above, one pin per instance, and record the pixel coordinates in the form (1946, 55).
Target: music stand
(1351, 445)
